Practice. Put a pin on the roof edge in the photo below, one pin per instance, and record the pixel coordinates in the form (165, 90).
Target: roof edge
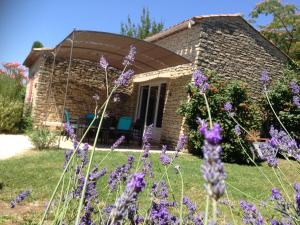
(197, 19)
(34, 54)
(185, 25)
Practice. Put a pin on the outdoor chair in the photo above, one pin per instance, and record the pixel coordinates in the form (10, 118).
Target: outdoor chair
(92, 131)
(72, 121)
(105, 130)
(124, 127)
(137, 131)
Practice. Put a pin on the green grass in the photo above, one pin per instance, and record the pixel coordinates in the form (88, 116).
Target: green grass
(39, 171)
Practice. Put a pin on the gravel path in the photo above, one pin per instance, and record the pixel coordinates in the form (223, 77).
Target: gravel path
(12, 145)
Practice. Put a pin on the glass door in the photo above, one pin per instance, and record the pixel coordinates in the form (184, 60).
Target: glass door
(150, 107)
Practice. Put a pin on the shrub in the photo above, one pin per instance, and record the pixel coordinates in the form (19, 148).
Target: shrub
(12, 93)
(26, 121)
(281, 98)
(11, 88)
(10, 114)
(42, 138)
(218, 94)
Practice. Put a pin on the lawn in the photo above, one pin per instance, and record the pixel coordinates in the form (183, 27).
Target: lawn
(39, 171)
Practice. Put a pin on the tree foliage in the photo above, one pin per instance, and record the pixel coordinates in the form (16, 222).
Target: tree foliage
(145, 28)
(37, 44)
(284, 28)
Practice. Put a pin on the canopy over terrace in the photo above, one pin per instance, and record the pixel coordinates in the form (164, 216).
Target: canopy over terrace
(91, 45)
(88, 46)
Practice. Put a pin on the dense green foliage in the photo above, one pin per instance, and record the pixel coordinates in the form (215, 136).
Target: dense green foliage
(10, 114)
(12, 93)
(42, 138)
(11, 88)
(145, 28)
(284, 28)
(37, 44)
(218, 94)
(281, 96)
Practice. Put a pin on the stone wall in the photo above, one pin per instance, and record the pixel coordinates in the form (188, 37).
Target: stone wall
(236, 51)
(86, 79)
(229, 46)
(182, 43)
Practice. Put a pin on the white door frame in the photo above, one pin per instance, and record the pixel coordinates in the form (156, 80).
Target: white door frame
(156, 132)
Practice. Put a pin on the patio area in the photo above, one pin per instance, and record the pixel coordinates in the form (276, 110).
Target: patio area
(67, 84)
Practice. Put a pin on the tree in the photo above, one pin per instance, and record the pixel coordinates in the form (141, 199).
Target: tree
(37, 44)
(145, 28)
(284, 29)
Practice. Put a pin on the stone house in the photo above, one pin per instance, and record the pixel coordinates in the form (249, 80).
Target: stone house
(68, 75)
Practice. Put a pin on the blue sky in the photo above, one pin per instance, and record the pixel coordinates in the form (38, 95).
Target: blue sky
(49, 21)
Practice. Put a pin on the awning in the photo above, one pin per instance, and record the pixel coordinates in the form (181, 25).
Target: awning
(91, 45)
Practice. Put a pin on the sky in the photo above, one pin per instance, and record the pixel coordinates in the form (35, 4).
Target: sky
(24, 21)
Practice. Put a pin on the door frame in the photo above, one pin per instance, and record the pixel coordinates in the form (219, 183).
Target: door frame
(156, 130)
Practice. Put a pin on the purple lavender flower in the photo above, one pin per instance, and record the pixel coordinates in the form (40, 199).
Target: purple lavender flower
(125, 206)
(213, 168)
(280, 204)
(68, 153)
(251, 215)
(147, 133)
(83, 153)
(159, 214)
(146, 141)
(228, 107)
(164, 158)
(265, 78)
(295, 87)
(95, 174)
(296, 101)
(160, 190)
(120, 173)
(124, 78)
(237, 130)
(129, 59)
(276, 195)
(190, 206)
(20, 197)
(136, 183)
(212, 136)
(103, 62)
(269, 153)
(279, 142)
(180, 144)
(200, 81)
(118, 142)
(70, 131)
(297, 197)
(147, 167)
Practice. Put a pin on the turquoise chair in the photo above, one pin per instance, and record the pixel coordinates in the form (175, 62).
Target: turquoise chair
(124, 123)
(124, 127)
(68, 118)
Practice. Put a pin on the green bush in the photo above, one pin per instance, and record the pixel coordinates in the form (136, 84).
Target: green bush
(281, 98)
(11, 88)
(218, 94)
(10, 114)
(42, 138)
